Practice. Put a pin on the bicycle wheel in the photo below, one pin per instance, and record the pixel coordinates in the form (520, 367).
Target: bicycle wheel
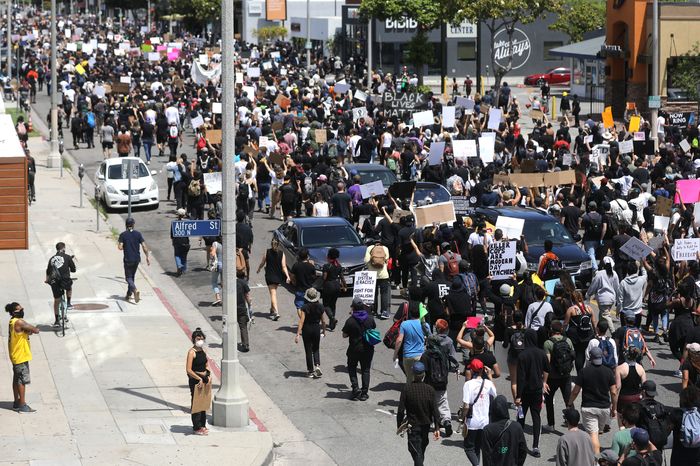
(62, 310)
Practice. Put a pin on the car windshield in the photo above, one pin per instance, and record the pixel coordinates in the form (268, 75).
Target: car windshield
(385, 176)
(329, 236)
(436, 195)
(536, 232)
(121, 172)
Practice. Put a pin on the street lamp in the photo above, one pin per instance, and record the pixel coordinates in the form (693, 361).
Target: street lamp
(54, 158)
(230, 407)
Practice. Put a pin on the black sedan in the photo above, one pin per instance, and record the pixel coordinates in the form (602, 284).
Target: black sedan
(318, 235)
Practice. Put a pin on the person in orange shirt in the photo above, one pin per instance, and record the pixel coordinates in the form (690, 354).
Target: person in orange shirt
(32, 78)
(20, 355)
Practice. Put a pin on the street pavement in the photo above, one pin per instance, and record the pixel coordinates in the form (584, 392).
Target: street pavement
(350, 432)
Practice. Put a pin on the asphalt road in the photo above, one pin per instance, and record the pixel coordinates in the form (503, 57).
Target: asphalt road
(352, 432)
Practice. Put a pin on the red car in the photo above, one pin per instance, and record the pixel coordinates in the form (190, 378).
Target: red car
(554, 76)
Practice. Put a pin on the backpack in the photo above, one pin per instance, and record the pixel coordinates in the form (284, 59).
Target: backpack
(562, 360)
(594, 228)
(517, 341)
(308, 184)
(552, 267)
(377, 259)
(437, 365)
(392, 334)
(654, 416)
(608, 350)
(91, 120)
(452, 264)
(690, 428)
(243, 190)
(240, 261)
(173, 132)
(633, 337)
(371, 336)
(21, 129)
(54, 275)
(583, 330)
(194, 189)
(507, 311)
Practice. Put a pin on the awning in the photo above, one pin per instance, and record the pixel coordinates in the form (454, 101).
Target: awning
(587, 49)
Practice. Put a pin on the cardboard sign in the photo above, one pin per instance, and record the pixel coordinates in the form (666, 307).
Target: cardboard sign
(402, 189)
(364, 286)
(436, 151)
(511, 227)
(120, 88)
(634, 124)
(201, 399)
(526, 180)
(321, 136)
(283, 101)
(689, 191)
(448, 117)
(607, 115)
(500, 179)
(277, 125)
(636, 249)
(536, 114)
(495, 115)
(214, 136)
(443, 212)
(424, 118)
(276, 158)
(663, 206)
(661, 223)
(685, 249)
(368, 190)
(502, 259)
(486, 148)
(213, 181)
(560, 178)
(627, 147)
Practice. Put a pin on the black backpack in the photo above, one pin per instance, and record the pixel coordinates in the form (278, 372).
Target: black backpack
(438, 367)
(654, 419)
(594, 228)
(562, 360)
(517, 341)
(581, 328)
(243, 190)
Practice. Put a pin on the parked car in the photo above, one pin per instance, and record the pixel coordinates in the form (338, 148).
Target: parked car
(318, 235)
(112, 179)
(538, 227)
(370, 172)
(559, 75)
(435, 192)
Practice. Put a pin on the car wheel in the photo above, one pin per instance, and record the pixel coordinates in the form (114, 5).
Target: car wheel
(155, 206)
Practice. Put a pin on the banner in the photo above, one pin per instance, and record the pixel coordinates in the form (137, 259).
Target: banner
(276, 10)
(502, 259)
(201, 76)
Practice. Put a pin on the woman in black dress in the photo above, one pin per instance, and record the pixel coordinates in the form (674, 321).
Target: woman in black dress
(198, 374)
(333, 285)
(275, 273)
(311, 326)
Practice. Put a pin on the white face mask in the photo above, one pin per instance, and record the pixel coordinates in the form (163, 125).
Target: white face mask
(199, 343)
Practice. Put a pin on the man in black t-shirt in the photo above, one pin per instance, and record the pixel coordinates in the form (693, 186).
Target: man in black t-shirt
(571, 217)
(303, 274)
(60, 282)
(359, 351)
(593, 232)
(341, 203)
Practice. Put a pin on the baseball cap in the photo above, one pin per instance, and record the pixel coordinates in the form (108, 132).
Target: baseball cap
(357, 303)
(650, 387)
(130, 222)
(596, 356)
(640, 436)
(505, 289)
(322, 178)
(609, 455)
(418, 368)
(476, 365)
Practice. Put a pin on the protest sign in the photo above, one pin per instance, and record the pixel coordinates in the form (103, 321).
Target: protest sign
(403, 103)
(607, 115)
(424, 118)
(153, 56)
(120, 88)
(253, 72)
(663, 206)
(402, 189)
(486, 149)
(276, 158)
(197, 122)
(375, 188)
(214, 136)
(536, 114)
(462, 205)
(502, 259)
(436, 151)
(216, 108)
(681, 119)
(321, 136)
(283, 101)
(627, 147)
(364, 286)
(510, 226)
(495, 115)
(443, 212)
(359, 95)
(685, 145)
(636, 249)
(341, 88)
(359, 112)
(696, 213)
(526, 180)
(465, 103)
(213, 182)
(661, 223)
(448, 117)
(656, 243)
(639, 136)
(634, 124)
(685, 249)
(463, 148)
(125, 79)
(688, 190)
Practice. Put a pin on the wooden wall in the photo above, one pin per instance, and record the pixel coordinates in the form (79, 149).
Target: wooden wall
(14, 215)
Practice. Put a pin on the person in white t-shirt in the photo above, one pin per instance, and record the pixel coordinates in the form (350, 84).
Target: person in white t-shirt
(660, 127)
(172, 115)
(320, 207)
(476, 396)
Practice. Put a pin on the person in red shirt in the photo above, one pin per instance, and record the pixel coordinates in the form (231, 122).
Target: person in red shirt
(561, 143)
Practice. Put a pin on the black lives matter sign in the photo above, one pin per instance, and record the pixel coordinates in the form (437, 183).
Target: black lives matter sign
(403, 103)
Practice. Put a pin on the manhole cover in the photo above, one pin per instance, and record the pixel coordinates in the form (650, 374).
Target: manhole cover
(89, 307)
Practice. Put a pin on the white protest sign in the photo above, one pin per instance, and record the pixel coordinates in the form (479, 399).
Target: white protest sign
(639, 136)
(459, 148)
(567, 159)
(155, 40)
(253, 72)
(275, 55)
(375, 188)
(511, 227)
(636, 249)
(424, 118)
(696, 213)
(125, 46)
(102, 47)
(685, 249)
(486, 148)
(87, 49)
(627, 147)
(436, 151)
(364, 286)
(203, 59)
(72, 47)
(216, 107)
(197, 122)
(359, 112)
(125, 79)
(685, 145)
(341, 88)
(588, 139)
(213, 182)
(250, 91)
(361, 96)
(100, 91)
(502, 259)
(448, 117)
(153, 56)
(267, 65)
(494, 118)
(661, 223)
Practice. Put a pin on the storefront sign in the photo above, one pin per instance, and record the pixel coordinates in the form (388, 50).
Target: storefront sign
(518, 48)
(400, 25)
(464, 30)
(276, 10)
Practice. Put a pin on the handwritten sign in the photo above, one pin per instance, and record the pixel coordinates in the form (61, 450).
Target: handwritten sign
(685, 249)
(213, 182)
(375, 188)
(502, 259)
(636, 249)
(364, 286)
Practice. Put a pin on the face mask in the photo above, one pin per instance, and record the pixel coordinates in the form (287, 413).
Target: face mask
(199, 343)
(19, 314)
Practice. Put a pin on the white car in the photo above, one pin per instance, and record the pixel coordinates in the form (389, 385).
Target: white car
(112, 180)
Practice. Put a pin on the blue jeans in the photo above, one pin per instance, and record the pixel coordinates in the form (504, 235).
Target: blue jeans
(382, 296)
(263, 194)
(130, 274)
(181, 262)
(216, 278)
(147, 145)
(590, 247)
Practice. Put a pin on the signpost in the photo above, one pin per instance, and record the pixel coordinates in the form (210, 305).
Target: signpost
(186, 228)
(655, 101)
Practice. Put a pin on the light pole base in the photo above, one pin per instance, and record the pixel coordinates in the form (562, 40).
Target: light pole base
(230, 413)
(53, 160)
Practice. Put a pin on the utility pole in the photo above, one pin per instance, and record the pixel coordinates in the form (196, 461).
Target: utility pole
(148, 6)
(54, 158)
(9, 39)
(308, 36)
(655, 73)
(369, 53)
(230, 406)
(478, 55)
(443, 58)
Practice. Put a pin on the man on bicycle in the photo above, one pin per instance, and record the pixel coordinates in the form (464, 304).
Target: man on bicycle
(58, 276)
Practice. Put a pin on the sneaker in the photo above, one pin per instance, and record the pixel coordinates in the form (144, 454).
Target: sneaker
(15, 406)
(137, 296)
(678, 374)
(216, 303)
(384, 315)
(56, 323)
(201, 432)
(243, 348)
(548, 429)
(275, 317)
(318, 372)
(355, 395)
(311, 375)
(606, 428)
(448, 428)
(70, 307)
(536, 452)
(332, 324)
(363, 397)
(26, 409)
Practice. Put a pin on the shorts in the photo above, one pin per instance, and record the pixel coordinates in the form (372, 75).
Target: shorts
(107, 145)
(59, 288)
(21, 373)
(595, 418)
(299, 300)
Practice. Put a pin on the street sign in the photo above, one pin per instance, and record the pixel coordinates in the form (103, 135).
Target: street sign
(183, 228)
(654, 101)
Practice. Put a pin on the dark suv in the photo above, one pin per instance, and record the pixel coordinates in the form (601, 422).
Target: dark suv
(538, 227)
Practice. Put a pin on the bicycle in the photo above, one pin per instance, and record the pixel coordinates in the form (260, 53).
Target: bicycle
(63, 313)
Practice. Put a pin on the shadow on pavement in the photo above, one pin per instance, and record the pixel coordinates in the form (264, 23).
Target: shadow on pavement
(130, 391)
(387, 386)
(298, 374)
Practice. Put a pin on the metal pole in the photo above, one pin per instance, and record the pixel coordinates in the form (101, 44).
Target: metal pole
(478, 55)
(149, 16)
(230, 406)
(97, 210)
(128, 211)
(9, 39)
(443, 58)
(54, 157)
(369, 53)
(655, 73)
(99, 12)
(308, 36)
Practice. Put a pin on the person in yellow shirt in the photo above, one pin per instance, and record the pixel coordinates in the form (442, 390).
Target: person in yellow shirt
(20, 355)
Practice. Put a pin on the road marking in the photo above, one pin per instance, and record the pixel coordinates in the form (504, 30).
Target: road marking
(385, 412)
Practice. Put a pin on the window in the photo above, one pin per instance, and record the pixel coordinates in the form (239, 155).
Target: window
(549, 45)
(466, 51)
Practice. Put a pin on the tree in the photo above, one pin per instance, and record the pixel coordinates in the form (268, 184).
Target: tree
(505, 14)
(201, 11)
(686, 72)
(581, 16)
(428, 14)
(270, 33)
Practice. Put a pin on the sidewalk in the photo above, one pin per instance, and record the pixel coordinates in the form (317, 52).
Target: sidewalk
(114, 389)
